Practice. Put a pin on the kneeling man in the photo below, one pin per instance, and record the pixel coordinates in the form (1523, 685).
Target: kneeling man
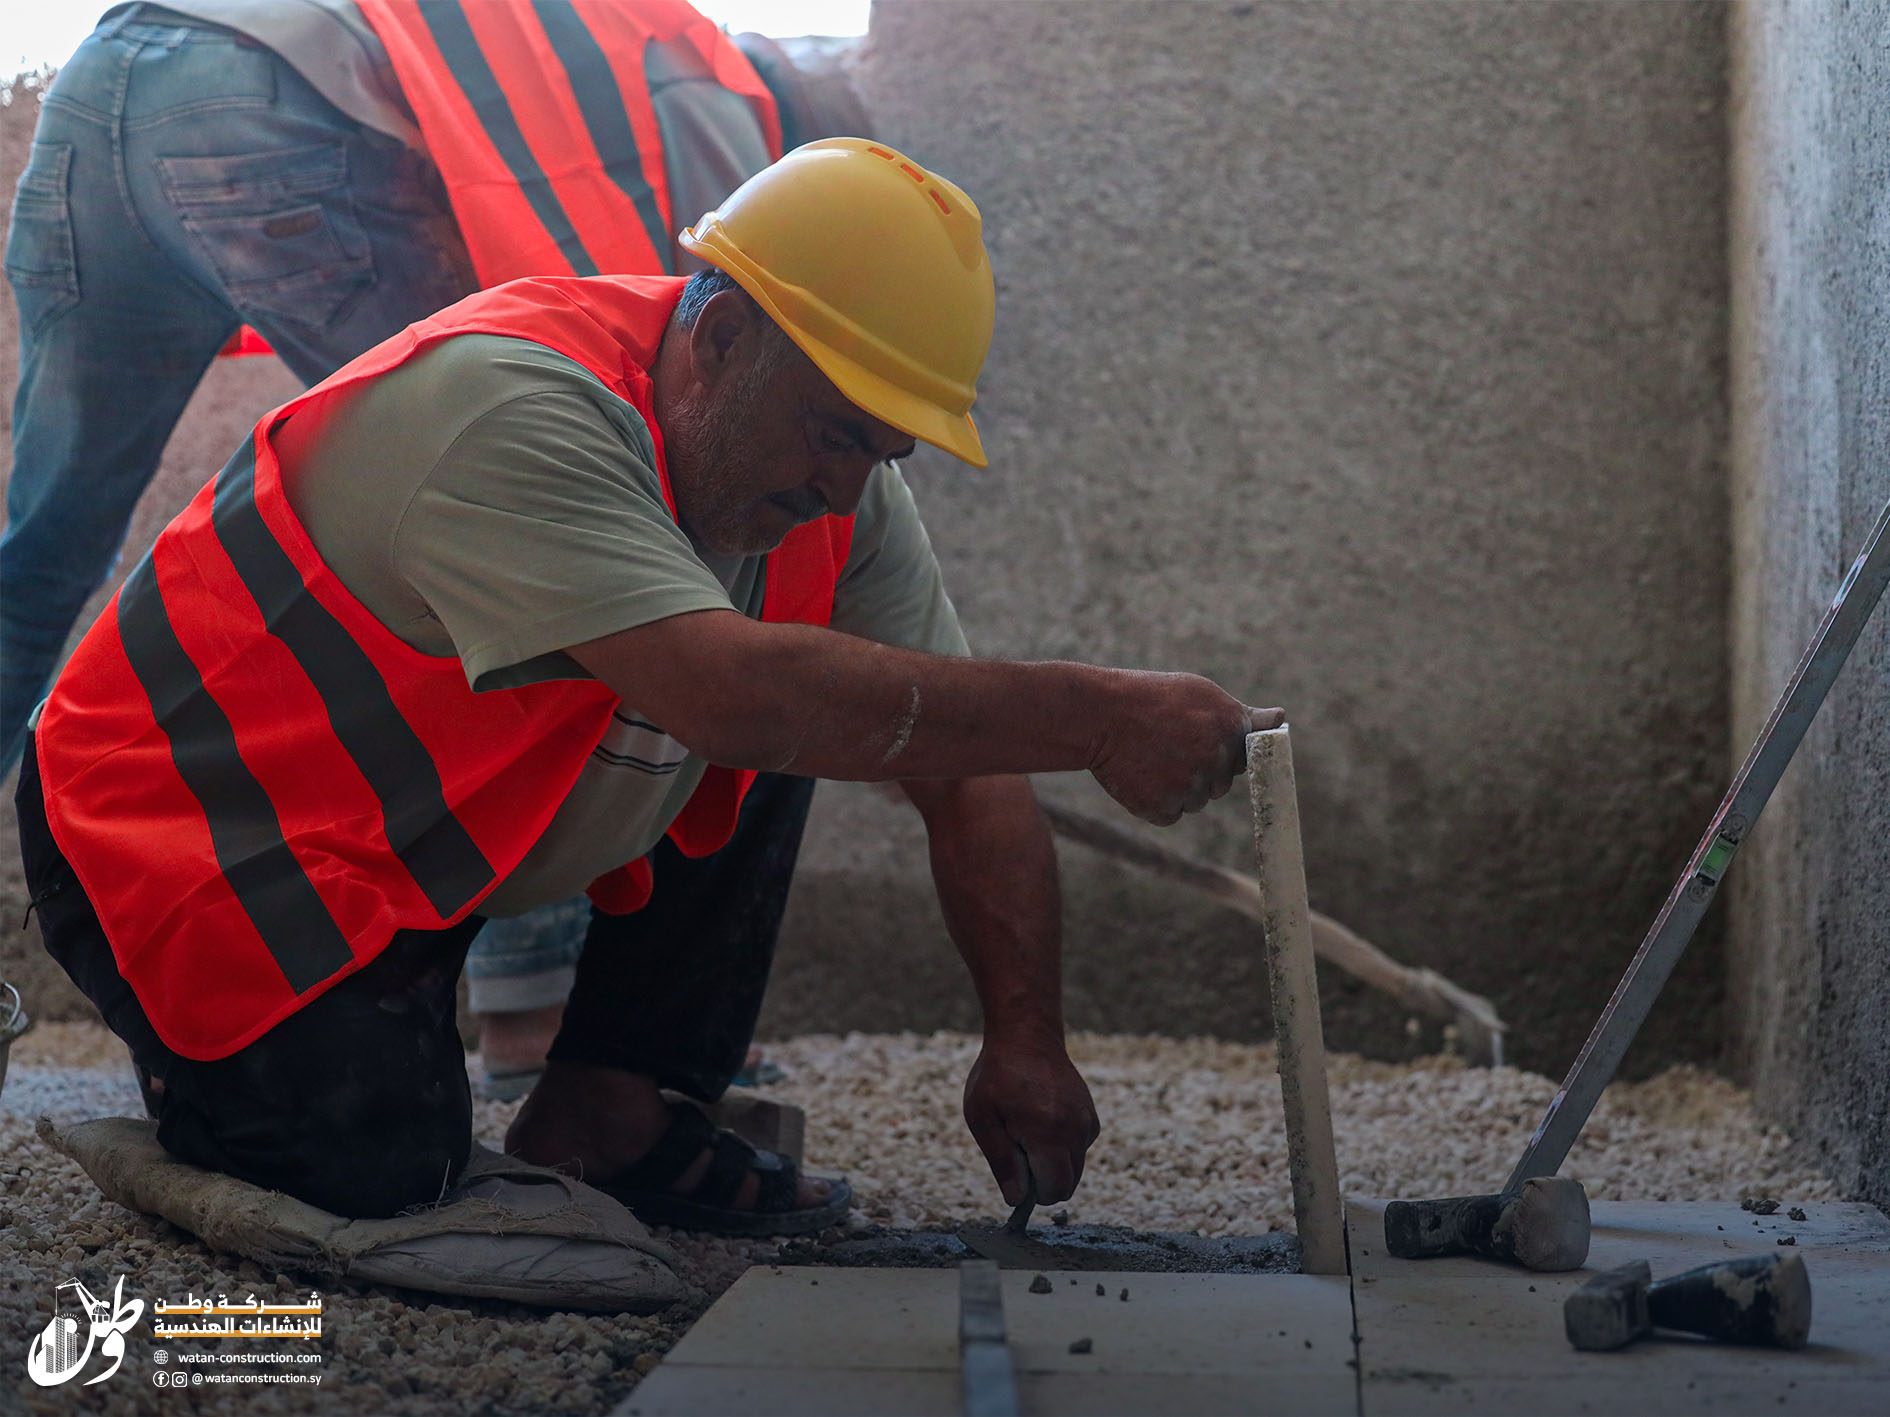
(577, 570)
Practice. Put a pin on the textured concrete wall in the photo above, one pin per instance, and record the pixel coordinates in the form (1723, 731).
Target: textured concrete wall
(1368, 358)
(1810, 980)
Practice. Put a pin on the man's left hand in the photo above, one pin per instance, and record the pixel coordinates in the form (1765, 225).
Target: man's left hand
(1026, 1099)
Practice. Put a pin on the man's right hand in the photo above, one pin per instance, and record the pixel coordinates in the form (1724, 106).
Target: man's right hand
(1174, 743)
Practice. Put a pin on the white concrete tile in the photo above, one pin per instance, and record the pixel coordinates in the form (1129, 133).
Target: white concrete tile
(780, 1318)
(687, 1390)
(675, 1390)
(1678, 1235)
(783, 1318)
(1302, 1394)
(1448, 1336)
(1616, 1397)
(1196, 1325)
(1453, 1335)
(1456, 1318)
(1452, 1329)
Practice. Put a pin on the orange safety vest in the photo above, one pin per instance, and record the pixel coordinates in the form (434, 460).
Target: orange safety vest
(538, 115)
(258, 783)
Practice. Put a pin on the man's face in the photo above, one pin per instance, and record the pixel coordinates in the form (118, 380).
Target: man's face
(765, 441)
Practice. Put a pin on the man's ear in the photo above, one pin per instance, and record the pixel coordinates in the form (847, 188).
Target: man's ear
(725, 326)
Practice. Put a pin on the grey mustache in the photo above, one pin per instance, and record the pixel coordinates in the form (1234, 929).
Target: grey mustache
(805, 504)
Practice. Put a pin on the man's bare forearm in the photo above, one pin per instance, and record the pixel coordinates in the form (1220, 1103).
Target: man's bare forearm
(801, 699)
(995, 867)
(996, 871)
(806, 700)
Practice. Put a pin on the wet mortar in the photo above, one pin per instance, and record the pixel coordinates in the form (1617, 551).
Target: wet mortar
(1071, 1247)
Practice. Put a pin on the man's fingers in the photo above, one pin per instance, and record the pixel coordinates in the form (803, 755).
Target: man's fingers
(1006, 1161)
(1265, 718)
(1056, 1174)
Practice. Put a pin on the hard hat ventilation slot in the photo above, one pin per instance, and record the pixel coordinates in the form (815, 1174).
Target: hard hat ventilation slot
(916, 174)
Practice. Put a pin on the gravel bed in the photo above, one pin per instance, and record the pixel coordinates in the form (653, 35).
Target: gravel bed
(1193, 1141)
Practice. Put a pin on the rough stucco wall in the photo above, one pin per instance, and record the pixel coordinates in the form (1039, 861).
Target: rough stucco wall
(1810, 978)
(1367, 358)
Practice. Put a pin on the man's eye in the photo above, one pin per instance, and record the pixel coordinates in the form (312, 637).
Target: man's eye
(834, 443)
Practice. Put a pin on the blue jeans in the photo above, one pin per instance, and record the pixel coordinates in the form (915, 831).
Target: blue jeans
(185, 180)
(528, 961)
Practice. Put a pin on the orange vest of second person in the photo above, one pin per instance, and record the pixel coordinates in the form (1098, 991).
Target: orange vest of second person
(258, 783)
(538, 115)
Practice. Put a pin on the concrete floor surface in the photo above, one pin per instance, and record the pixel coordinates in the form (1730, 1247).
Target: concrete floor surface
(1462, 1336)
(845, 1342)
(1402, 1337)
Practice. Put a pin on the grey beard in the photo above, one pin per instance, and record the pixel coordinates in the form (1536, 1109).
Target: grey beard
(708, 447)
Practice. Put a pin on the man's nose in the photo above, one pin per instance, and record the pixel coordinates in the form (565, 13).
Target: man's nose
(843, 487)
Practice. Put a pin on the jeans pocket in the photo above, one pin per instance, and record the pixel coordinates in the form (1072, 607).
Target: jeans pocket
(278, 228)
(40, 262)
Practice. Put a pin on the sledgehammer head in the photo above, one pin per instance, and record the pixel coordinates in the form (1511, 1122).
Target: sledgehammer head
(1610, 1310)
(1543, 1225)
(1762, 1299)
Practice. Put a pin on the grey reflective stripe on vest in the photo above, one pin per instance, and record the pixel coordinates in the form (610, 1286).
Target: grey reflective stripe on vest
(592, 83)
(443, 859)
(245, 832)
(459, 47)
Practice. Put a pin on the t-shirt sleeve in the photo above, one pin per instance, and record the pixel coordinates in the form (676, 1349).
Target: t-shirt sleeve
(712, 141)
(543, 526)
(891, 589)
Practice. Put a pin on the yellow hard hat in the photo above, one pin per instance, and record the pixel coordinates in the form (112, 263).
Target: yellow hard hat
(876, 268)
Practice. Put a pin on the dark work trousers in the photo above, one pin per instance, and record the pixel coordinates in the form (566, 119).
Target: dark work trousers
(359, 1101)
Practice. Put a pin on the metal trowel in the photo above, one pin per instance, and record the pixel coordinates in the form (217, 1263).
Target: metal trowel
(1061, 1247)
(1011, 1245)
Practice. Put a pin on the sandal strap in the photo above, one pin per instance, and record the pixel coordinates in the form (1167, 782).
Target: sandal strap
(780, 1183)
(728, 1168)
(682, 1142)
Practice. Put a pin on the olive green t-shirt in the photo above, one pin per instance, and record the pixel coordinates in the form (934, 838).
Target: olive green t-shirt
(492, 499)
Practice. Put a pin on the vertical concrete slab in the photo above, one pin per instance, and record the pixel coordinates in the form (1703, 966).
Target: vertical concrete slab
(1809, 972)
(1287, 928)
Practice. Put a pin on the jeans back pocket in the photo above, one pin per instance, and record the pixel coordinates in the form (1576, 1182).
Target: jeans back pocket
(278, 228)
(40, 262)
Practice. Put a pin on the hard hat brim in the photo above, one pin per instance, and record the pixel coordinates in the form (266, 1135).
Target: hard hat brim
(872, 393)
(886, 401)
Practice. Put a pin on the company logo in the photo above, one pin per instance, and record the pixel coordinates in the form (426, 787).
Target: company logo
(219, 1318)
(56, 1357)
